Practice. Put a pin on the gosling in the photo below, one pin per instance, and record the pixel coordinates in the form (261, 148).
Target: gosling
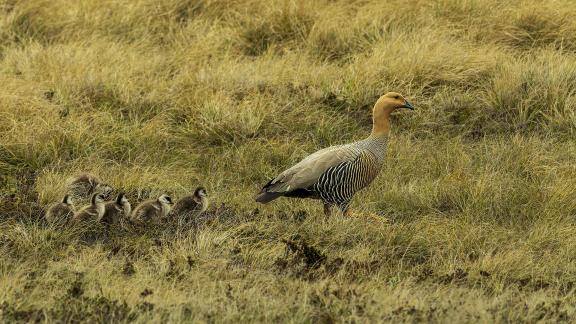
(84, 185)
(94, 211)
(60, 212)
(192, 205)
(152, 210)
(117, 209)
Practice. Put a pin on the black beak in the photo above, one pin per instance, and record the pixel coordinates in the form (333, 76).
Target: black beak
(408, 105)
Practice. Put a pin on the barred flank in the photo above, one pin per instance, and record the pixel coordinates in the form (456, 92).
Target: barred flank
(338, 184)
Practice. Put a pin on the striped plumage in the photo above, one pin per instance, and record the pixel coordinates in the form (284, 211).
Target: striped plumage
(337, 185)
(336, 173)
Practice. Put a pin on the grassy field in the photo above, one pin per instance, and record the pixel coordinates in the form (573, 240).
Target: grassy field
(478, 188)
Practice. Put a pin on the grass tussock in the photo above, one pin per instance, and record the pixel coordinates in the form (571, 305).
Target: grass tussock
(162, 96)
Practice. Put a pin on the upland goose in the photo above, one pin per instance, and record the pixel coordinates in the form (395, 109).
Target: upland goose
(84, 185)
(152, 210)
(189, 206)
(60, 212)
(94, 211)
(336, 173)
(116, 209)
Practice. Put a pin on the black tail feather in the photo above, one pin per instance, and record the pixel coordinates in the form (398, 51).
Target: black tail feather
(266, 197)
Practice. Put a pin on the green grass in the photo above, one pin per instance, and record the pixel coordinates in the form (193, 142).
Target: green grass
(479, 184)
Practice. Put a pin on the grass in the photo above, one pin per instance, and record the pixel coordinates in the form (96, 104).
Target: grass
(162, 96)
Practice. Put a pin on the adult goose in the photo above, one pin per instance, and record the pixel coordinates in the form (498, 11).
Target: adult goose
(334, 174)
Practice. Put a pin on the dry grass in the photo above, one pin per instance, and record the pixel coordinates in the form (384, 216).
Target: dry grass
(479, 187)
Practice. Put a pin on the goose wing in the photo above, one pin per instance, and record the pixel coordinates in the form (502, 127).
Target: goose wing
(306, 172)
(146, 211)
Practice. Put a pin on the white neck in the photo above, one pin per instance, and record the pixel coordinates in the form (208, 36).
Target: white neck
(127, 209)
(165, 209)
(100, 208)
(204, 204)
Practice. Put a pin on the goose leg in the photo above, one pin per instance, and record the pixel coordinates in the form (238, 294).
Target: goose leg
(327, 210)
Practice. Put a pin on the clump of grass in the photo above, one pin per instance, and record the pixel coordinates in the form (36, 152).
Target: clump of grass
(223, 120)
(535, 93)
(22, 22)
(279, 28)
(537, 26)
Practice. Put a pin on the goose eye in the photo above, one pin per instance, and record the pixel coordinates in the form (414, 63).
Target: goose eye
(396, 97)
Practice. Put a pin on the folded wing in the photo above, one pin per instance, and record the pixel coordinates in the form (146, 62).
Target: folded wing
(306, 172)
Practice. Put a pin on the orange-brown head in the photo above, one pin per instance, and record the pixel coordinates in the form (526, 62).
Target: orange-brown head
(382, 110)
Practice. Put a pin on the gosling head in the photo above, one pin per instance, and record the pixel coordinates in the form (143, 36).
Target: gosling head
(200, 193)
(165, 200)
(67, 200)
(97, 199)
(121, 199)
(104, 189)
